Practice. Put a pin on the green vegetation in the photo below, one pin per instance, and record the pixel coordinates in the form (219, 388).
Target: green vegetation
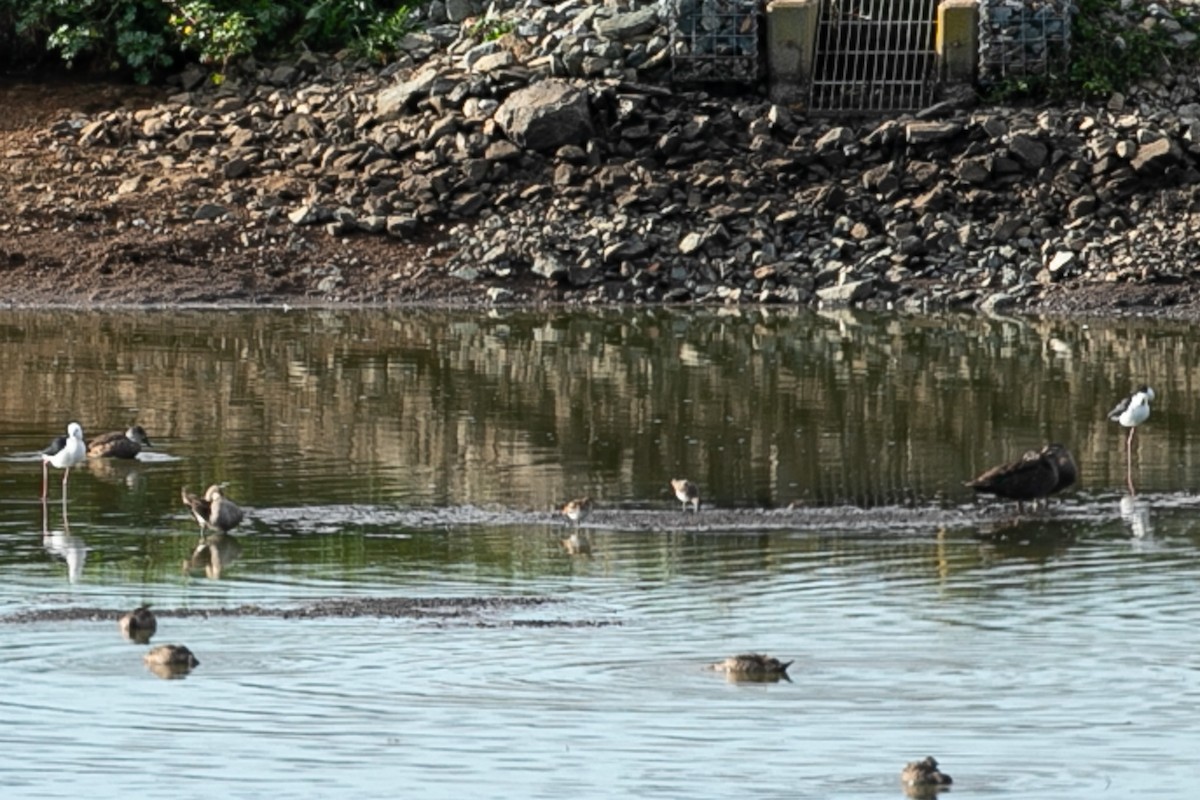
(1110, 51)
(146, 37)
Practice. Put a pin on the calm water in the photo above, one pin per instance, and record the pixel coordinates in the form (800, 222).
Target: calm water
(419, 455)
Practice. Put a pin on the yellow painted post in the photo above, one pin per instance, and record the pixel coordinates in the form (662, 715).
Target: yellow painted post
(791, 41)
(958, 40)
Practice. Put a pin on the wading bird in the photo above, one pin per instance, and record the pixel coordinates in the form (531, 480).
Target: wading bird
(71, 453)
(686, 493)
(214, 510)
(1131, 412)
(578, 510)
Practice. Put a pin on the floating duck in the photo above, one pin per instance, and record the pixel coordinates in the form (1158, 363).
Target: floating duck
(923, 778)
(214, 511)
(170, 660)
(752, 666)
(63, 453)
(119, 444)
(138, 625)
(1031, 477)
(686, 493)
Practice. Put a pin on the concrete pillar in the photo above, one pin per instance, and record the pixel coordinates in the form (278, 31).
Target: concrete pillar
(791, 40)
(958, 40)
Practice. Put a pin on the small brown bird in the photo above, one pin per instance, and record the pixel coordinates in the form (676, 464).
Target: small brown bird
(138, 625)
(687, 493)
(1031, 477)
(119, 444)
(170, 660)
(214, 511)
(923, 779)
(753, 665)
(578, 510)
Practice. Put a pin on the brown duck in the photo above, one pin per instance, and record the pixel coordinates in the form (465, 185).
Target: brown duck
(138, 625)
(923, 779)
(170, 661)
(1031, 477)
(752, 666)
(214, 511)
(119, 444)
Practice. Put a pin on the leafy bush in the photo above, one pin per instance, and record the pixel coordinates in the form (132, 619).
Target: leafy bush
(145, 37)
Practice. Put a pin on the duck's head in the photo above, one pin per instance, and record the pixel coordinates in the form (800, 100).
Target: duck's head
(138, 434)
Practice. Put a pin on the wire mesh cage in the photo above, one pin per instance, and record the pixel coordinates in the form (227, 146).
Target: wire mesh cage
(1023, 38)
(715, 41)
(874, 56)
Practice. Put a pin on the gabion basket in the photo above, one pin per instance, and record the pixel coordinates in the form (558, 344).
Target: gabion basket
(1022, 38)
(714, 41)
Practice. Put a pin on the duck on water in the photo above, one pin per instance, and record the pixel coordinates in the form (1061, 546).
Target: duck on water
(119, 444)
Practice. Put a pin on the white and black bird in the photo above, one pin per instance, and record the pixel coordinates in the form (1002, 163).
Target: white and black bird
(1133, 410)
(64, 453)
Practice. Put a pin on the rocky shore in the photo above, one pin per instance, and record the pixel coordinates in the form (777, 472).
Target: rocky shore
(542, 154)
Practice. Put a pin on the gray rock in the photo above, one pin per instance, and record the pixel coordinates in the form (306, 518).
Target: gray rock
(546, 116)
(846, 293)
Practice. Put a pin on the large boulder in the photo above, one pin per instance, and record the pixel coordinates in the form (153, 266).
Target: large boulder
(546, 116)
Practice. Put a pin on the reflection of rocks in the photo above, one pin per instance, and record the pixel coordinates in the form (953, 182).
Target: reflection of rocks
(138, 625)
(754, 667)
(170, 661)
(216, 552)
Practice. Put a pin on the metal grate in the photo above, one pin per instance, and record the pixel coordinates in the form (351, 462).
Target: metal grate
(1021, 38)
(874, 56)
(714, 41)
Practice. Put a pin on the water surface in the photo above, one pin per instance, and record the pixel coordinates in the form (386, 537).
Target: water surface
(418, 455)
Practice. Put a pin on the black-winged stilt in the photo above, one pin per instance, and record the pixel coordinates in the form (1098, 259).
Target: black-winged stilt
(63, 453)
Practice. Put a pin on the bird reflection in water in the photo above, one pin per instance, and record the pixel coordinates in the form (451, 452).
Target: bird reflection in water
(214, 553)
(62, 544)
(1135, 513)
(126, 473)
